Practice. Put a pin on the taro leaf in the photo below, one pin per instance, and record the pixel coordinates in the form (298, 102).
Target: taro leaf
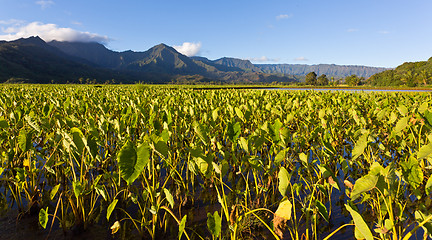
(322, 210)
(77, 188)
(165, 135)
(130, 165)
(3, 123)
(201, 132)
(215, 114)
(239, 113)
(256, 163)
(428, 117)
(233, 131)
(78, 139)
(412, 172)
(276, 126)
(360, 223)
(24, 140)
(364, 184)
(393, 118)
(143, 156)
(284, 179)
(401, 124)
(182, 226)
(284, 210)
(420, 218)
(92, 146)
(214, 223)
(304, 158)
(258, 142)
(216, 168)
(375, 168)
(325, 173)
(32, 123)
(101, 192)
(403, 110)
(280, 157)
(244, 144)
(201, 164)
(290, 117)
(162, 149)
(424, 151)
(428, 186)
(43, 217)
(111, 208)
(388, 224)
(169, 197)
(360, 146)
(284, 134)
(423, 107)
(54, 191)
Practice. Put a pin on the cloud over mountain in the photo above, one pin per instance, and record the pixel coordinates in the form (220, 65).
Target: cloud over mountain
(188, 48)
(49, 32)
(264, 59)
(301, 59)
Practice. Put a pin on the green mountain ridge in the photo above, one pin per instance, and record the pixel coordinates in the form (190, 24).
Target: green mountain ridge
(34, 60)
(409, 73)
(164, 59)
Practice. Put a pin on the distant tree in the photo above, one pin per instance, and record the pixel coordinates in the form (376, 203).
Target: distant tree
(410, 78)
(424, 76)
(311, 78)
(322, 80)
(353, 80)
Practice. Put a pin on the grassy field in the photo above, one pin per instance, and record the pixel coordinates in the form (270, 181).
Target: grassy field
(151, 162)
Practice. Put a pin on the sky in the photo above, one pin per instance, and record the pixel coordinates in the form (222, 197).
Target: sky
(380, 33)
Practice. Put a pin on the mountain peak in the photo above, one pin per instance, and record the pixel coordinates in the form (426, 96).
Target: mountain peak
(34, 40)
(160, 47)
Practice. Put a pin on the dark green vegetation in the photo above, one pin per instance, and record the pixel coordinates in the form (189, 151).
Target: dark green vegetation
(410, 74)
(32, 60)
(220, 164)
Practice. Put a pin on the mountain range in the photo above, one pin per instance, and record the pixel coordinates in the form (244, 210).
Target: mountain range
(34, 60)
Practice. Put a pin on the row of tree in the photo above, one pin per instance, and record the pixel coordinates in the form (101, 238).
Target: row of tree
(312, 79)
(322, 80)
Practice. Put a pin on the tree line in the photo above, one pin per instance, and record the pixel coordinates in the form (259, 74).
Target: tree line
(314, 80)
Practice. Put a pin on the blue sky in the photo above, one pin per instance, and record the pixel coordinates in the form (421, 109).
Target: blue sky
(373, 33)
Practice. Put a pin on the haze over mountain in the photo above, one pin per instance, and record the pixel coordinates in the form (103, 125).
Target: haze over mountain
(34, 60)
(331, 70)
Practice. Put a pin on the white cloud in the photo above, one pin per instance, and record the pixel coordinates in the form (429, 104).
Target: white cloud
(384, 32)
(45, 3)
(264, 59)
(189, 49)
(49, 32)
(284, 16)
(77, 23)
(301, 59)
(12, 22)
